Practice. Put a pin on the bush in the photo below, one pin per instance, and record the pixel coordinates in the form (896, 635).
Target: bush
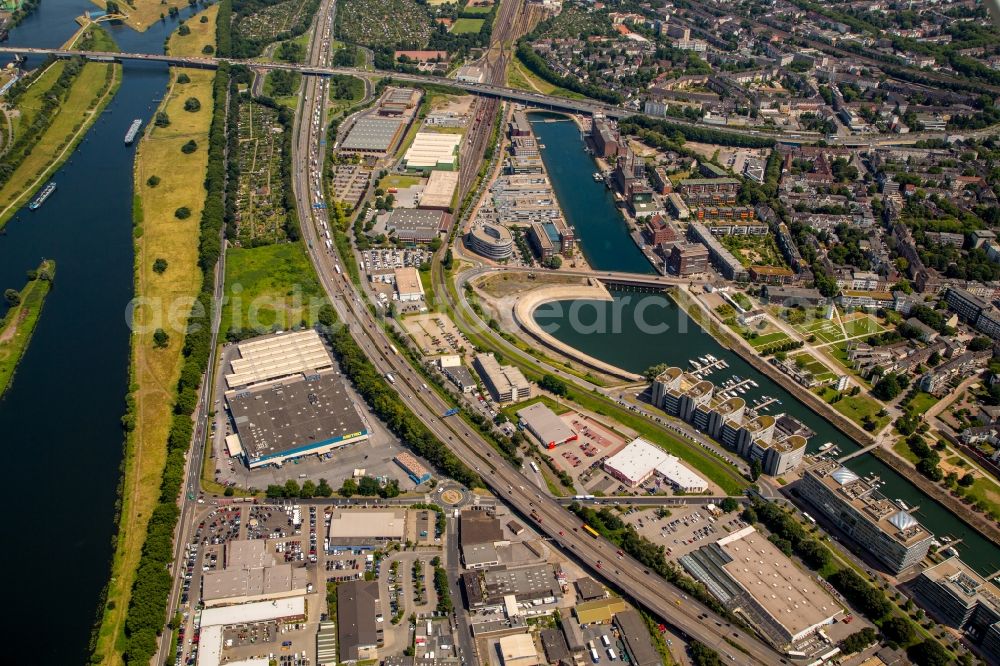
(858, 641)
(183, 31)
(192, 104)
(189, 147)
(153, 181)
(160, 266)
(161, 119)
(160, 339)
(182, 213)
(183, 77)
(208, 50)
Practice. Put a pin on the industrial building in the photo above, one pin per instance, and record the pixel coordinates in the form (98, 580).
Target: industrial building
(528, 585)
(878, 525)
(546, 425)
(413, 468)
(599, 611)
(640, 460)
(286, 401)
(480, 533)
(433, 150)
(408, 285)
(359, 620)
(749, 575)
(505, 383)
(273, 356)
(727, 420)
(360, 528)
(250, 573)
(415, 225)
(439, 190)
(292, 417)
(518, 650)
(215, 620)
(687, 259)
(373, 135)
(635, 636)
(491, 241)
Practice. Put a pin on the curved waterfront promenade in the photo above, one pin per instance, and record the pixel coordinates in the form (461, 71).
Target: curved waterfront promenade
(526, 305)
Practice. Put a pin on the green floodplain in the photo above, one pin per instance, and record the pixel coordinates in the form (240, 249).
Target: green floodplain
(21, 318)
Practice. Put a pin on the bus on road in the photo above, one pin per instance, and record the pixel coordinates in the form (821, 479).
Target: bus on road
(591, 531)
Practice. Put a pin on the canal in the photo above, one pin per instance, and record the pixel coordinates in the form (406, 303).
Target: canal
(590, 210)
(60, 419)
(637, 330)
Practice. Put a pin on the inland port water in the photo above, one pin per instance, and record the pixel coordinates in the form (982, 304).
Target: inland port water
(626, 340)
(60, 419)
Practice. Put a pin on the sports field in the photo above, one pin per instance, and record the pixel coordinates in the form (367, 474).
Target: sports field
(829, 331)
(467, 25)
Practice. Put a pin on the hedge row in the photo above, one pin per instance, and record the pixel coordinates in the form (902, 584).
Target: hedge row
(147, 612)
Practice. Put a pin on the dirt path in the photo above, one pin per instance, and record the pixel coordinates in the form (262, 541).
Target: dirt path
(10, 332)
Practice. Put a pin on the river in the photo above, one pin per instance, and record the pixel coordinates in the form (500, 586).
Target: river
(640, 330)
(60, 419)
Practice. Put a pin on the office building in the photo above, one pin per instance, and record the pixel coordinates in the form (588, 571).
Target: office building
(878, 525)
(747, 573)
(659, 230)
(491, 241)
(688, 259)
(956, 595)
(505, 383)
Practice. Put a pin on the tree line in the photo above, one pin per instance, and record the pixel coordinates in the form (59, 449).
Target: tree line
(147, 612)
(527, 55)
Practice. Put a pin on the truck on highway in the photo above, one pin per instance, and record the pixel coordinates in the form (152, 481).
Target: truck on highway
(394, 350)
(594, 656)
(392, 380)
(534, 467)
(337, 266)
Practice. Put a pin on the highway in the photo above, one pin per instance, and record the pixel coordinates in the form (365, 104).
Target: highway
(627, 575)
(498, 91)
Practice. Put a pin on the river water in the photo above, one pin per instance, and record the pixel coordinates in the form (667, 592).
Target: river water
(640, 330)
(60, 419)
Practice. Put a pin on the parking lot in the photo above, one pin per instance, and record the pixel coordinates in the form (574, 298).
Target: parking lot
(687, 528)
(435, 334)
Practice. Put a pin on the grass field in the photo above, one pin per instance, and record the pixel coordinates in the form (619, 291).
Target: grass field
(855, 407)
(19, 323)
(91, 91)
(467, 25)
(522, 78)
(921, 402)
(829, 331)
(398, 181)
(145, 12)
(471, 10)
(768, 339)
(154, 372)
(271, 285)
(813, 366)
(291, 101)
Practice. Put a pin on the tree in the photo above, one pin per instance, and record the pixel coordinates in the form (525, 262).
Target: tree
(554, 262)
(887, 388)
(183, 77)
(967, 480)
(192, 104)
(553, 384)
(182, 213)
(161, 119)
(308, 489)
(858, 641)
(208, 49)
(12, 297)
(928, 653)
(160, 339)
(323, 489)
(980, 343)
(160, 266)
(755, 470)
(702, 655)
(349, 488)
(153, 181)
(292, 488)
(728, 505)
(183, 30)
(189, 147)
(899, 630)
(654, 371)
(368, 486)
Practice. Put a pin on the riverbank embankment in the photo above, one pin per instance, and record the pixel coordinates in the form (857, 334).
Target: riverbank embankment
(19, 323)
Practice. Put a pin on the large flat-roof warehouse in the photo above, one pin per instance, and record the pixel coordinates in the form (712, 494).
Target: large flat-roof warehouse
(638, 461)
(289, 401)
(431, 150)
(744, 570)
(546, 425)
(373, 134)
